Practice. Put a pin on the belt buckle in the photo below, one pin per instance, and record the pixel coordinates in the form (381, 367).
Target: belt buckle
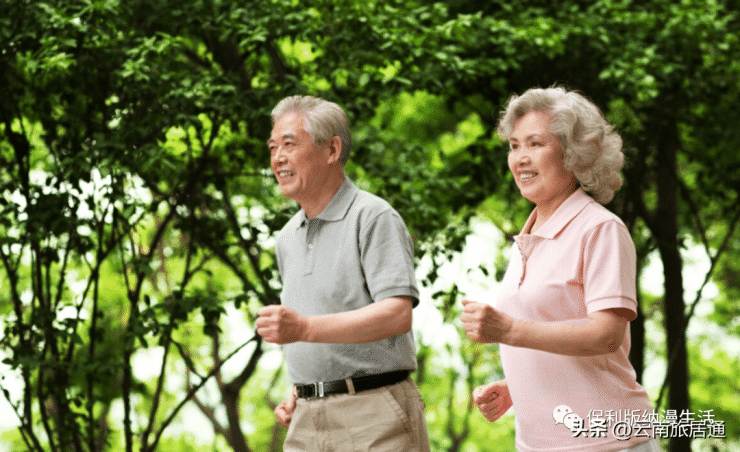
(319, 389)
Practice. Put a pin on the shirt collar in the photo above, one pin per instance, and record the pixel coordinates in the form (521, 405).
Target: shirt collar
(338, 206)
(568, 210)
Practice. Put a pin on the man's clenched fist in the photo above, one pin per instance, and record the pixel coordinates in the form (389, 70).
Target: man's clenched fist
(281, 325)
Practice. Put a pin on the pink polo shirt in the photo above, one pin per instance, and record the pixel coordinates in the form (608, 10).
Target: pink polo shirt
(580, 261)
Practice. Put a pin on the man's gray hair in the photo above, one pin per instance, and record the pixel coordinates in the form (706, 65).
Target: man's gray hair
(593, 150)
(321, 119)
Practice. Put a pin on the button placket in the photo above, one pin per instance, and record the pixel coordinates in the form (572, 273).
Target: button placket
(525, 244)
(524, 264)
(312, 230)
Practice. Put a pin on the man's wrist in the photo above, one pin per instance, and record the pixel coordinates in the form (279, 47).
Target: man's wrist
(306, 334)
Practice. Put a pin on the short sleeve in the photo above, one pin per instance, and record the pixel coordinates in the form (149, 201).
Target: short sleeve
(387, 256)
(609, 269)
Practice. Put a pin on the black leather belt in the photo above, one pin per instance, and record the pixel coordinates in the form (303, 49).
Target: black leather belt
(325, 388)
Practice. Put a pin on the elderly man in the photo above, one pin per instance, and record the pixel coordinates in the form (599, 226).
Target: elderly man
(346, 262)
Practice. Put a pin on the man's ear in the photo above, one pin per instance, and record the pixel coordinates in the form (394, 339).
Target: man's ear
(335, 149)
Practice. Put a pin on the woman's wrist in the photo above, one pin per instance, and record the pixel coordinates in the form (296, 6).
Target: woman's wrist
(511, 337)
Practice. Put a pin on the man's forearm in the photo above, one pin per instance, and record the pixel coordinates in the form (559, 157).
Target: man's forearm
(373, 322)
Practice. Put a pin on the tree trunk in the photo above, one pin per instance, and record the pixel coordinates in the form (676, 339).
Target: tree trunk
(637, 341)
(669, 247)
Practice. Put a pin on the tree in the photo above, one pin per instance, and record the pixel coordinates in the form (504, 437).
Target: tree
(143, 188)
(103, 184)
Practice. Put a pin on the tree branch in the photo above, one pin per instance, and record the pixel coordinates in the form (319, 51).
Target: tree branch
(160, 384)
(192, 392)
(209, 412)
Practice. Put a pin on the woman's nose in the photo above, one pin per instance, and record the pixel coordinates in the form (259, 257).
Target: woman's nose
(522, 156)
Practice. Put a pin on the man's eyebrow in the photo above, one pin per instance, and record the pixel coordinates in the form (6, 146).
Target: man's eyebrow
(286, 136)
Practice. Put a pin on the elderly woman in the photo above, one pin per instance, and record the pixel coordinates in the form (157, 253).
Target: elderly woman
(563, 311)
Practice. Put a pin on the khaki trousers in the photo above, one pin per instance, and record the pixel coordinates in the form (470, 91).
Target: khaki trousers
(390, 419)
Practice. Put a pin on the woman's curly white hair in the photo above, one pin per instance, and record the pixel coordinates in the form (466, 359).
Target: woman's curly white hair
(593, 150)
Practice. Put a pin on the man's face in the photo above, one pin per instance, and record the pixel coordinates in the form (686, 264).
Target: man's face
(299, 166)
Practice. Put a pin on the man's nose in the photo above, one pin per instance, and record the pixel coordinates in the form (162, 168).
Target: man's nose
(278, 156)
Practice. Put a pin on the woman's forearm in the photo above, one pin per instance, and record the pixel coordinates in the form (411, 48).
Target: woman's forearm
(602, 332)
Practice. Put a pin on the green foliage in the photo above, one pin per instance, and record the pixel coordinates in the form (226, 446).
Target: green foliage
(715, 385)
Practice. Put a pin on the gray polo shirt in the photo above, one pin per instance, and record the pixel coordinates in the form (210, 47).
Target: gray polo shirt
(356, 252)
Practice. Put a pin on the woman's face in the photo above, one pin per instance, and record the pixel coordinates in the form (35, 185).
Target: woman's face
(536, 160)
